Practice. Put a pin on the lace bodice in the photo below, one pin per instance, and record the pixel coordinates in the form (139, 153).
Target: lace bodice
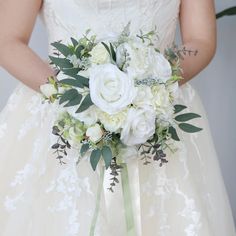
(106, 18)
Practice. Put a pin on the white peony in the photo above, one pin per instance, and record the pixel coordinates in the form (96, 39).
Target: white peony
(159, 66)
(94, 133)
(112, 123)
(133, 57)
(110, 89)
(48, 90)
(138, 127)
(99, 54)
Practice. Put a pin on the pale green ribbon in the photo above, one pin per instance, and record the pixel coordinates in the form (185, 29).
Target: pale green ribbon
(95, 216)
(129, 216)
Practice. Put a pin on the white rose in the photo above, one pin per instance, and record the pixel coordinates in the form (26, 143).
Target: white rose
(144, 96)
(133, 56)
(138, 127)
(159, 66)
(112, 123)
(94, 133)
(48, 90)
(99, 55)
(110, 89)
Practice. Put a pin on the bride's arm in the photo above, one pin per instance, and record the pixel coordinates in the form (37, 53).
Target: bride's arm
(17, 19)
(198, 31)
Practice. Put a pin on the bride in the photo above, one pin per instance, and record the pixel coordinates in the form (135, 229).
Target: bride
(38, 197)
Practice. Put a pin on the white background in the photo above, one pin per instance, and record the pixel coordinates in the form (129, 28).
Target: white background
(216, 85)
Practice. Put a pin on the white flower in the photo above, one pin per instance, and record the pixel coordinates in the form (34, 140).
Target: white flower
(174, 90)
(112, 123)
(74, 60)
(99, 55)
(138, 127)
(159, 66)
(110, 89)
(162, 103)
(48, 90)
(94, 133)
(133, 56)
(144, 96)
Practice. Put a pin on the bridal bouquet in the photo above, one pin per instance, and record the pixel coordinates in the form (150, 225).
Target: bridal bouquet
(117, 99)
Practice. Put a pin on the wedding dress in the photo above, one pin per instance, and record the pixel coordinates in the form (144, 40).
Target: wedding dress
(40, 197)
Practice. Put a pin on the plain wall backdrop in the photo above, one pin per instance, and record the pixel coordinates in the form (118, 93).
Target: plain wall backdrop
(216, 86)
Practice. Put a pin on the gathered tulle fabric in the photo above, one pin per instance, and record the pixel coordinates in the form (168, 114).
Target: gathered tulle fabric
(38, 196)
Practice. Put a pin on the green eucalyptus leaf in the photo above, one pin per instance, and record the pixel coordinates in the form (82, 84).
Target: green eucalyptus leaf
(84, 148)
(173, 133)
(179, 108)
(68, 95)
(113, 53)
(95, 157)
(78, 50)
(72, 82)
(75, 101)
(189, 128)
(86, 103)
(74, 42)
(107, 155)
(61, 62)
(186, 117)
(83, 80)
(72, 72)
(107, 48)
(63, 49)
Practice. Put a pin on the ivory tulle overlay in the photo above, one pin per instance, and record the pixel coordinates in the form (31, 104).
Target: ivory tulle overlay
(38, 196)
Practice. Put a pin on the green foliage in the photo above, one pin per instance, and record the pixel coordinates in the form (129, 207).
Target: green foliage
(72, 97)
(61, 62)
(189, 128)
(227, 12)
(63, 49)
(85, 104)
(186, 117)
(72, 82)
(84, 148)
(107, 155)
(179, 108)
(110, 49)
(95, 157)
(173, 133)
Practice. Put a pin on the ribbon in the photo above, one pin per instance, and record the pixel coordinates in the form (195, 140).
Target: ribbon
(129, 216)
(99, 191)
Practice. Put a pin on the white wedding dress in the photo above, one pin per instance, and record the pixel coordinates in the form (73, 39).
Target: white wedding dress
(39, 197)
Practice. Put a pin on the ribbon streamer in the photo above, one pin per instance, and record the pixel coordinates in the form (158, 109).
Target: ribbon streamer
(95, 216)
(129, 216)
